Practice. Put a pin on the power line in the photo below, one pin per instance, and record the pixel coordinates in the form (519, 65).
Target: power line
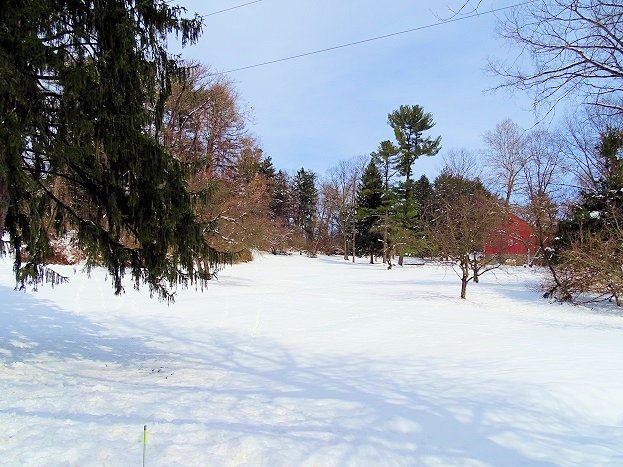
(233, 8)
(376, 38)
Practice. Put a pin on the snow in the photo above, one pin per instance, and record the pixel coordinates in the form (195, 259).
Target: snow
(318, 362)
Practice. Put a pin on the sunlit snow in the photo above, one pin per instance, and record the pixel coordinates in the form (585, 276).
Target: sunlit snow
(319, 362)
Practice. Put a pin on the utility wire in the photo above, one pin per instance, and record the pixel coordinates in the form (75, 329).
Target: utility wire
(233, 8)
(385, 36)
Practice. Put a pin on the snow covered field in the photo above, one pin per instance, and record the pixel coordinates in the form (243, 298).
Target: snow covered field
(295, 361)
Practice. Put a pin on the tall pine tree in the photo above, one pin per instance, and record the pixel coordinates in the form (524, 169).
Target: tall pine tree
(409, 124)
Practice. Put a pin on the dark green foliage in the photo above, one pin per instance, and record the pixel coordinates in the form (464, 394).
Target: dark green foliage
(385, 159)
(409, 124)
(305, 196)
(266, 168)
(406, 208)
(449, 187)
(369, 211)
(82, 89)
(423, 191)
(280, 198)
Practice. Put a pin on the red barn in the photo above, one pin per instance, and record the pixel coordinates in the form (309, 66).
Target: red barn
(514, 238)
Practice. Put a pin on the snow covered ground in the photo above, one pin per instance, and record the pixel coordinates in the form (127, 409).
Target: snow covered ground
(295, 361)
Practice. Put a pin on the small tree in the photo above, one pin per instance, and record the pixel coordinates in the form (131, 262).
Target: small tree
(464, 216)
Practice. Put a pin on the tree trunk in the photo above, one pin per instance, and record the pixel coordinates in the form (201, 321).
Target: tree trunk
(371, 258)
(565, 294)
(476, 276)
(354, 242)
(385, 255)
(345, 248)
(615, 295)
(400, 260)
(465, 269)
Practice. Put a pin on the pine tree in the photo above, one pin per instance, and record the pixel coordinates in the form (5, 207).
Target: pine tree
(266, 168)
(82, 91)
(305, 196)
(409, 124)
(423, 191)
(369, 210)
(384, 158)
(280, 201)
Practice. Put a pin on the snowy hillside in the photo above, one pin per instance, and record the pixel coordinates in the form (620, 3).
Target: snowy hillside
(295, 361)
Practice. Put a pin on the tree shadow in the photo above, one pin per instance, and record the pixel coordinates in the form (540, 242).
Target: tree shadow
(31, 327)
(239, 393)
(404, 412)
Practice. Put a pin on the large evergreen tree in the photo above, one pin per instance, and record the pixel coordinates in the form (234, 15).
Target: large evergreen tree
(82, 90)
(369, 210)
(409, 123)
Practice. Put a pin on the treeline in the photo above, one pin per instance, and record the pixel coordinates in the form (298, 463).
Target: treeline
(566, 183)
(150, 164)
(563, 183)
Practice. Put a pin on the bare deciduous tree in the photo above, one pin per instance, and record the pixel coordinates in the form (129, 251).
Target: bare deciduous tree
(566, 48)
(580, 138)
(464, 217)
(589, 248)
(543, 192)
(339, 196)
(205, 123)
(462, 162)
(505, 158)
(592, 265)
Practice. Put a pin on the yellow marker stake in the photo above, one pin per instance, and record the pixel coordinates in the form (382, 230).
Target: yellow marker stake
(144, 443)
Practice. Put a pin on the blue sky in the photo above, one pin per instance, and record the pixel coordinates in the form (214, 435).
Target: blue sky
(315, 111)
